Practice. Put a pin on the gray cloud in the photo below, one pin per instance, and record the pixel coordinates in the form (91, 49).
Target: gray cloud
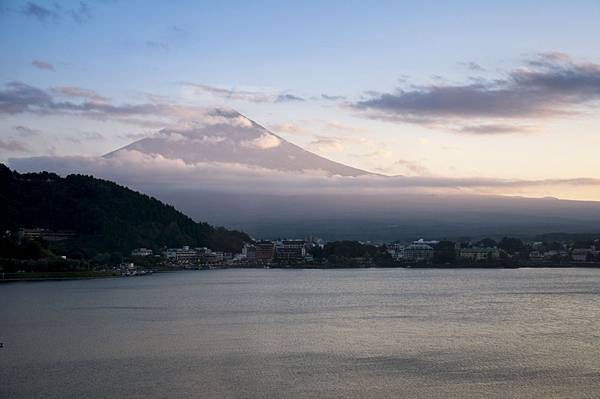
(41, 13)
(551, 85)
(332, 98)
(78, 92)
(243, 95)
(286, 98)
(473, 66)
(18, 98)
(39, 64)
(92, 136)
(26, 132)
(13, 146)
(79, 14)
(85, 136)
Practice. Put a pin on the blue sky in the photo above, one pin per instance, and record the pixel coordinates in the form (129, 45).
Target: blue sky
(128, 52)
(307, 46)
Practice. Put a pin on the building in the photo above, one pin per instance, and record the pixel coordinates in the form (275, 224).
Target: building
(215, 257)
(395, 250)
(249, 252)
(182, 255)
(479, 253)
(290, 250)
(141, 252)
(264, 251)
(581, 254)
(417, 252)
(536, 255)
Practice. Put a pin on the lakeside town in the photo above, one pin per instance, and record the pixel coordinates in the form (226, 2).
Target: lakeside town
(309, 252)
(316, 253)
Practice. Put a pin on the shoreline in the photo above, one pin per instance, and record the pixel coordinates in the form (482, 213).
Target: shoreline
(69, 276)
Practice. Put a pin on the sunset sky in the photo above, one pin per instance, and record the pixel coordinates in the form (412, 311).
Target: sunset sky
(453, 89)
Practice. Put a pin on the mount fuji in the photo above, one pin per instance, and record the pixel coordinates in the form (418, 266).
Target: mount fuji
(235, 139)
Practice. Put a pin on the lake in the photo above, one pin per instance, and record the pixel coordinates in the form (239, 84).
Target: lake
(352, 333)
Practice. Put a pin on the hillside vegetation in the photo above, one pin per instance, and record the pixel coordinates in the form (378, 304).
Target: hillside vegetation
(106, 217)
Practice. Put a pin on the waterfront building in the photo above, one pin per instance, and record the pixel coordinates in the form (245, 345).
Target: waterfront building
(418, 252)
(264, 251)
(141, 252)
(249, 252)
(479, 253)
(182, 255)
(581, 254)
(290, 250)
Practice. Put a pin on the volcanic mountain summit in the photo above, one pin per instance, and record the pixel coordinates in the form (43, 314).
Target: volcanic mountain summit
(236, 139)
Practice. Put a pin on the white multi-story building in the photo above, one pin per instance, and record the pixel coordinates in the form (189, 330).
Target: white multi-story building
(417, 252)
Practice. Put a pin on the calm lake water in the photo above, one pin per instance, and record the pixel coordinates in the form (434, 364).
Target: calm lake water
(531, 333)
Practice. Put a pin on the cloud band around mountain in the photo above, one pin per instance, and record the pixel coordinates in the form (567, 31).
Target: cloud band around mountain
(140, 170)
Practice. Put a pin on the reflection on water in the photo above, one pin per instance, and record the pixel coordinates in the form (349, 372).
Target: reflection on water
(299, 333)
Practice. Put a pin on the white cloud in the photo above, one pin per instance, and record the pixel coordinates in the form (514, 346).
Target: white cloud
(140, 170)
(263, 142)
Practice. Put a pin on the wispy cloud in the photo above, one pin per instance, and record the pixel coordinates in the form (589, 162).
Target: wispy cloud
(13, 146)
(19, 98)
(79, 14)
(286, 98)
(78, 92)
(335, 125)
(39, 64)
(332, 98)
(411, 166)
(292, 128)
(550, 85)
(85, 136)
(254, 96)
(41, 13)
(472, 66)
(24, 131)
(494, 129)
(157, 45)
(232, 94)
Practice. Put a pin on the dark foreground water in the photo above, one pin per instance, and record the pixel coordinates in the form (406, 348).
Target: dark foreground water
(311, 334)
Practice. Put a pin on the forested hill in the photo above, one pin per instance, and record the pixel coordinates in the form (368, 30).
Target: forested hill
(107, 217)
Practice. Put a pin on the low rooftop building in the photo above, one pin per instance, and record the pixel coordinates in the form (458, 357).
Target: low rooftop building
(479, 253)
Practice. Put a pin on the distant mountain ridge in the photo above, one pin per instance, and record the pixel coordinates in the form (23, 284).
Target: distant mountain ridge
(107, 217)
(243, 142)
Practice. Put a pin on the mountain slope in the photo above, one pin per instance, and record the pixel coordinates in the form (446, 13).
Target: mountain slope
(242, 142)
(106, 216)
